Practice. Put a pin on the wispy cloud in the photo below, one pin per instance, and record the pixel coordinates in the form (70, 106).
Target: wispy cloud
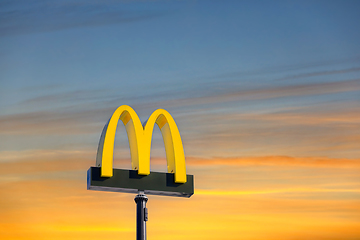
(274, 191)
(305, 67)
(323, 162)
(54, 122)
(320, 73)
(44, 154)
(310, 117)
(291, 131)
(24, 17)
(268, 92)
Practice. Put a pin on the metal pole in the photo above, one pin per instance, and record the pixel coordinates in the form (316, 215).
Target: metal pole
(141, 215)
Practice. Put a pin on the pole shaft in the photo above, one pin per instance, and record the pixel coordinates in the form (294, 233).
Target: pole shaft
(141, 215)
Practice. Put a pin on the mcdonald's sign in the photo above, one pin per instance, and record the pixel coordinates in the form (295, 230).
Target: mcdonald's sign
(104, 177)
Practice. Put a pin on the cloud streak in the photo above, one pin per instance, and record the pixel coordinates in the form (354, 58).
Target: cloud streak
(320, 73)
(31, 161)
(24, 17)
(297, 67)
(299, 90)
(274, 191)
(54, 122)
(293, 131)
(322, 162)
(48, 120)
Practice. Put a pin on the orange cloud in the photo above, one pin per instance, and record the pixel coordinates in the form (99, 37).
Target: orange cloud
(277, 161)
(62, 208)
(272, 191)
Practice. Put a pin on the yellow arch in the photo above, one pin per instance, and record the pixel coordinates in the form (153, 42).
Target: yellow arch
(140, 142)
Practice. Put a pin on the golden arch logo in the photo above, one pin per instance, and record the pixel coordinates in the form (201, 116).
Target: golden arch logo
(140, 137)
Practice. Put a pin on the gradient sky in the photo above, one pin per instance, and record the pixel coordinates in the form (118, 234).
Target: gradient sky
(266, 95)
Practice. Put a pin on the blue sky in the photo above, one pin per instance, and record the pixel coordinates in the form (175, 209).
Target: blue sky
(250, 84)
(209, 57)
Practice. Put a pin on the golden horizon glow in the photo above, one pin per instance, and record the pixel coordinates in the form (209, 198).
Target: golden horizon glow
(287, 201)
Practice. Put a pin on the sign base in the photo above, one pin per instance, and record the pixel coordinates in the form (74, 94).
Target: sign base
(129, 181)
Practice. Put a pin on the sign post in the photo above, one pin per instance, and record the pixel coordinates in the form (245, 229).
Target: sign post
(141, 215)
(140, 180)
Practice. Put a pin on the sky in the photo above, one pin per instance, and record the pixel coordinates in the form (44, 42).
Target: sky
(266, 95)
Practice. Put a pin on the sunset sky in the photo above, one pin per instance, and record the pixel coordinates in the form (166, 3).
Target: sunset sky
(266, 95)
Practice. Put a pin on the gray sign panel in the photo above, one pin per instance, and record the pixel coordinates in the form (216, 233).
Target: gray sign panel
(156, 183)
